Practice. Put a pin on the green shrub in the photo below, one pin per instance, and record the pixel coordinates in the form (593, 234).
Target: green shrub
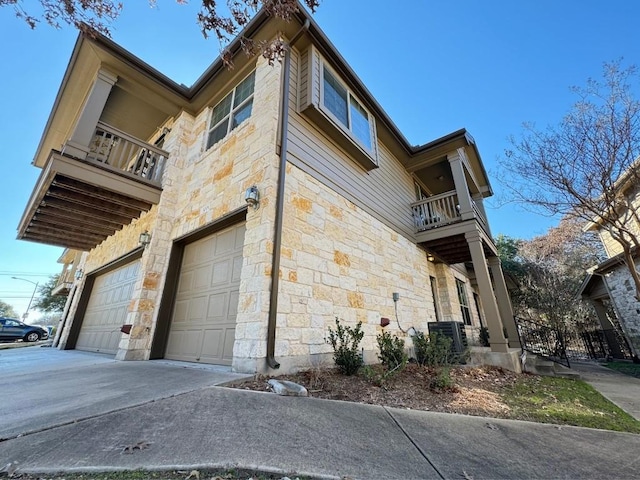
(442, 380)
(392, 354)
(378, 376)
(434, 350)
(484, 336)
(345, 341)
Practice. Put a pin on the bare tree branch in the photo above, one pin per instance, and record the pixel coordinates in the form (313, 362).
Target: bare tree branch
(588, 166)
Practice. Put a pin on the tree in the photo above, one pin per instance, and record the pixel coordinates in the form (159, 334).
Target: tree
(47, 302)
(98, 15)
(587, 167)
(548, 270)
(7, 310)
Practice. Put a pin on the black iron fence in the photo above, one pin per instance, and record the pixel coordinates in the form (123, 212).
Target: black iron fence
(542, 340)
(563, 345)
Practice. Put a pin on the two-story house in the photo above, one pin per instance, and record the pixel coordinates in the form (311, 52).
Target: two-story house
(232, 221)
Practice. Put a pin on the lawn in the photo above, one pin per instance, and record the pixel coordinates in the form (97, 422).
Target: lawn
(482, 391)
(627, 368)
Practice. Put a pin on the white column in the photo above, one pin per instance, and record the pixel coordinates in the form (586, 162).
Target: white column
(504, 302)
(462, 189)
(84, 129)
(491, 311)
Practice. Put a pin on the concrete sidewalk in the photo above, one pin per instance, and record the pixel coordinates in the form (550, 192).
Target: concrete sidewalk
(221, 427)
(623, 390)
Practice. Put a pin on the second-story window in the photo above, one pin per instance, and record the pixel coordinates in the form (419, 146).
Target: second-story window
(231, 111)
(346, 109)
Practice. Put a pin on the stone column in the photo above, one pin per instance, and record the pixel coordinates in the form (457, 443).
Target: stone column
(504, 302)
(82, 135)
(491, 312)
(462, 189)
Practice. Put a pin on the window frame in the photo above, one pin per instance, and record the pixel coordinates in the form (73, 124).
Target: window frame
(347, 129)
(434, 293)
(463, 299)
(229, 116)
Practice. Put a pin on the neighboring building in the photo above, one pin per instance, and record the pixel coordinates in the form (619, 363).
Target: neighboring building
(156, 183)
(609, 286)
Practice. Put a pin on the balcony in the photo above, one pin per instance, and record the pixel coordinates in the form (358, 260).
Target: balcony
(440, 226)
(77, 203)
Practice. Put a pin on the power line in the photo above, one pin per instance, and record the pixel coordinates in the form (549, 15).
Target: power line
(7, 273)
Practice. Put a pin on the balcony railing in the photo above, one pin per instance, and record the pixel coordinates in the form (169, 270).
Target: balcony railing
(478, 214)
(436, 211)
(122, 152)
(442, 209)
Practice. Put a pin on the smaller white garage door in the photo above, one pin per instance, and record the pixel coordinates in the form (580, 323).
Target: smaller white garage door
(107, 309)
(204, 318)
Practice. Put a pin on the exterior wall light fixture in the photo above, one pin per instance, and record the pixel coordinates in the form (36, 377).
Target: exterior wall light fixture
(78, 274)
(252, 197)
(144, 239)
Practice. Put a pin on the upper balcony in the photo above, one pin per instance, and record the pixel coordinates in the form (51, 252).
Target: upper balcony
(101, 152)
(69, 259)
(451, 185)
(440, 226)
(77, 203)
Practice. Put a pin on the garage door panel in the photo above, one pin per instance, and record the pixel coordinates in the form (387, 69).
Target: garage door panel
(229, 340)
(207, 295)
(237, 268)
(197, 309)
(225, 243)
(233, 305)
(213, 343)
(201, 278)
(221, 272)
(107, 309)
(184, 343)
(217, 309)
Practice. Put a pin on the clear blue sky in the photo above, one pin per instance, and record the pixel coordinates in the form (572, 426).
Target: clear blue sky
(435, 66)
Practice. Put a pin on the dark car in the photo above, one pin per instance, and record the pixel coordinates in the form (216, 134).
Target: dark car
(12, 329)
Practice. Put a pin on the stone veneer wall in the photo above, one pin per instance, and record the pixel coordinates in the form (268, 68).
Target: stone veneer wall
(200, 186)
(622, 292)
(338, 261)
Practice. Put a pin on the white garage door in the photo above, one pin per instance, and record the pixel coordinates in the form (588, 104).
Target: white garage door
(107, 309)
(204, 318)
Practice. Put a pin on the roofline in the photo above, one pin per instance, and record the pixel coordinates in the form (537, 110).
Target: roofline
(608, 264)
(258, 21)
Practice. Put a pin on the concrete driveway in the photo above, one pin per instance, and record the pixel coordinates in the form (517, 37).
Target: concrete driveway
(41, 388)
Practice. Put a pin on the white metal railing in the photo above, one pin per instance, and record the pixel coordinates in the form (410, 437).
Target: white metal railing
(436, 211)
(128, 154)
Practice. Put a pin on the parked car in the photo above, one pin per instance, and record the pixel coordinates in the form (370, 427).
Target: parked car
(12, 330)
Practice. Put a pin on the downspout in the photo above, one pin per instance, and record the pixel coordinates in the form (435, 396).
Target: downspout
(277, 235)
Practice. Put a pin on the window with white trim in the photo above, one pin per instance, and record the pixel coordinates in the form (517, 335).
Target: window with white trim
(338, 100)
(231, 111)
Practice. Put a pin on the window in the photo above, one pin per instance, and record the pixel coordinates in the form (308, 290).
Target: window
(464, 301)
(434, 294)
(476, 300)
(346, 109)
(231, 111)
